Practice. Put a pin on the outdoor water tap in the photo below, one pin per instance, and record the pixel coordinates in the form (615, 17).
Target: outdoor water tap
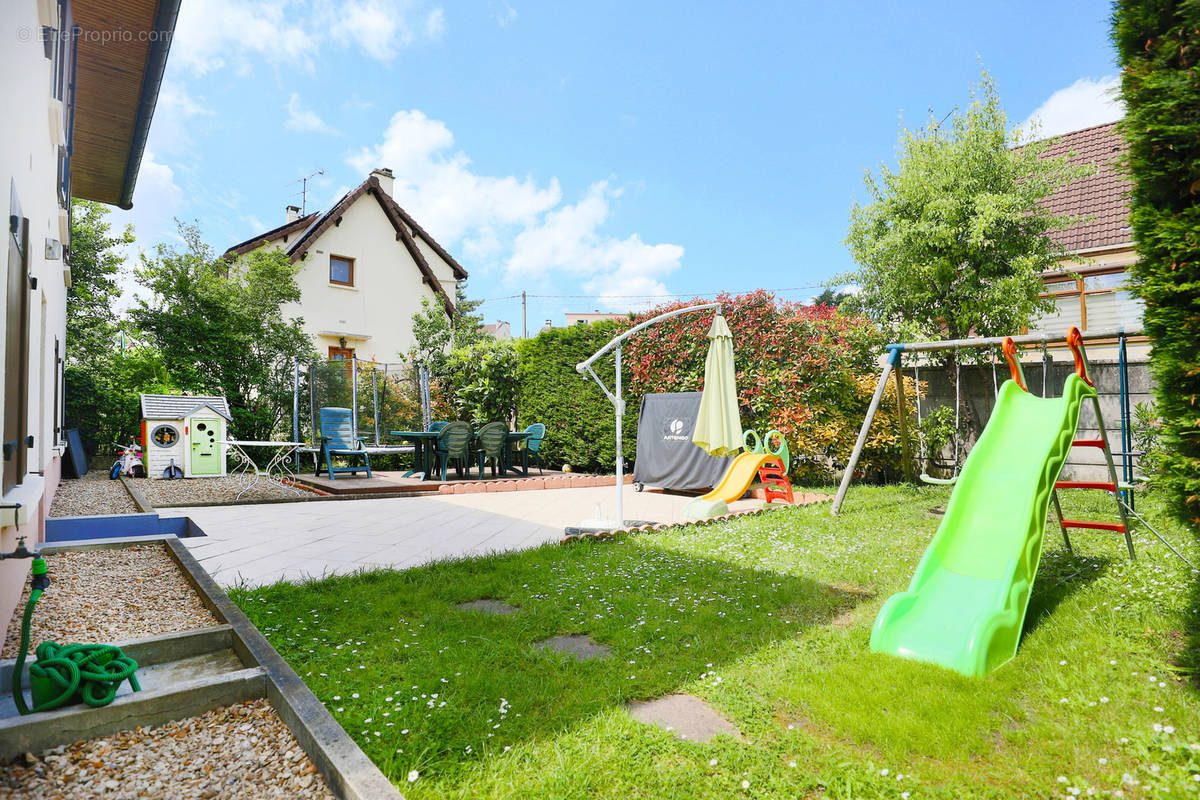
(20, 552)
(40, 579)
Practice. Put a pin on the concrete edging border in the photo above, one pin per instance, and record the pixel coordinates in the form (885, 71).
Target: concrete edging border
(347, 771)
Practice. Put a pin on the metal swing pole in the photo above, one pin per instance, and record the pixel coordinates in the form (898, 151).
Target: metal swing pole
(616, 398)
(893, 361)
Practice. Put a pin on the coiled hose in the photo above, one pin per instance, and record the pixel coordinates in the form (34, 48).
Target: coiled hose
(69, 673)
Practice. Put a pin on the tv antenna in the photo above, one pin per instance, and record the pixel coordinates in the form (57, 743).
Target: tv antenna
(304, 189)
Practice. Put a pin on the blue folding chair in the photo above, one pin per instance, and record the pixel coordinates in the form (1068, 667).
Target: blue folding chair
(338, 439)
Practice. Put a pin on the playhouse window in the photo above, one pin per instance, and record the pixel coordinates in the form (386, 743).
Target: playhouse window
(165, 435)
(341, 270)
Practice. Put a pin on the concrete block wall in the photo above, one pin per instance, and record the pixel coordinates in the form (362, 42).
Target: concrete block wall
(1083, 463)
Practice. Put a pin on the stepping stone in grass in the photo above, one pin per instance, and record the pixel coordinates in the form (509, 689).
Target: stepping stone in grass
(487, 606)
(582, 647)
(686, 716)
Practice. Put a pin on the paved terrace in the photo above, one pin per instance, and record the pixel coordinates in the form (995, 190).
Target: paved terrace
(261, 544)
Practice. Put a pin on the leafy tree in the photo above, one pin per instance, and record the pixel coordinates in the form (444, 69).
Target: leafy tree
(828, 297)
(101, 380)
(96, 257)
(954, 240)
(1159, 46)
(220, 327)
(484, 377)
(437, 335)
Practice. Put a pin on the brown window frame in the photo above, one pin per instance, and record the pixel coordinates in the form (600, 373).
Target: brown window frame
(1079, 290)
(346, 259)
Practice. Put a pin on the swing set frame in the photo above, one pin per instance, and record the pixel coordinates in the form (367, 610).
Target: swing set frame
(892, 360)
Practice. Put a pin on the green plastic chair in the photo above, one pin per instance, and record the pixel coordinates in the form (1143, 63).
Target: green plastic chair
(454, 444)
(531, 445)
(436, 427)
(493, 441)
(338, 439)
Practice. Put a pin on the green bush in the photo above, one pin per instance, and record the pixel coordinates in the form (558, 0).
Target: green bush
(484, 377)
(1159, 46)
(580, 425)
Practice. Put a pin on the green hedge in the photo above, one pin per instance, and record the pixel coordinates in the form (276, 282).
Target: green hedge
(578, 417)
(1159, 47)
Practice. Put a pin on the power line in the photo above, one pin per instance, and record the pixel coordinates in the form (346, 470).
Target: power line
(672, 295)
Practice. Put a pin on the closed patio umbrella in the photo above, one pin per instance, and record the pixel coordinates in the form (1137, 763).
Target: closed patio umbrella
(719, 425)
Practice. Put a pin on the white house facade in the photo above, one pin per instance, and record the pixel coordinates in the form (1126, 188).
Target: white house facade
(81, 78)
(365, 267)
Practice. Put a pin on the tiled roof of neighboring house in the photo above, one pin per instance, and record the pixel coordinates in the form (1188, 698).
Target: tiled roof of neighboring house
(179, 406)
(1101, 198)
(283, 230)
(404, 225)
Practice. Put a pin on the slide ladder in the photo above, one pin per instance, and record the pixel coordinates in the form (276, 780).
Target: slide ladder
(1112, 485)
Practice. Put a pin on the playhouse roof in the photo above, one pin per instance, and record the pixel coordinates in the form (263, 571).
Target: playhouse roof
(179, 406)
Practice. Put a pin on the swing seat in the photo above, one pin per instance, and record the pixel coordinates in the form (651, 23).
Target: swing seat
(925, 478)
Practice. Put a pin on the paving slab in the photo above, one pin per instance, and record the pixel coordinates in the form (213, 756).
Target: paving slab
(488, 606)
(264, 543)
(686, 716)
(582, 647)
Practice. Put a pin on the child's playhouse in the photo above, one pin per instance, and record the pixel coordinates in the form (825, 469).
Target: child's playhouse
(184, 435)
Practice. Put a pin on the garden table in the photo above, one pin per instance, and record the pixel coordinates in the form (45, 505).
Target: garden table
(276, 471)
(515, 437)
(424, 446)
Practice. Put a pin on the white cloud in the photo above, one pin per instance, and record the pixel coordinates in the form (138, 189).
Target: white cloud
(175, 118)
(1083, 104)
(502, 12)
(303, 119)
(438, 185)
(214, 34)
(435, 24)
(518, 224)
(220, 33)
(156, 202)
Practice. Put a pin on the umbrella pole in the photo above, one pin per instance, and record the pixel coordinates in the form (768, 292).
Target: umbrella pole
(619, 405)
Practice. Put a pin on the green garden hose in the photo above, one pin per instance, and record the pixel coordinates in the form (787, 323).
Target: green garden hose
(69, 673)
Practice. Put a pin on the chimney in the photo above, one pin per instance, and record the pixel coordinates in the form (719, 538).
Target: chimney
(293, 213)
(386, 179)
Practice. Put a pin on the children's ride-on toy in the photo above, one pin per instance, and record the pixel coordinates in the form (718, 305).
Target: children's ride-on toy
(128, 463)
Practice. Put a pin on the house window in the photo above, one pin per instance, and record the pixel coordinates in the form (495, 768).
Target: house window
(1090, 302)
(341, 270)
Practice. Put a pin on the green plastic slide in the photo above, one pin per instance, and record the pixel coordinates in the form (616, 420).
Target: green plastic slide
(965, 606)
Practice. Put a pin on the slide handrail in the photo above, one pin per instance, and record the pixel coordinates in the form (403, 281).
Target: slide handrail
(1014, 366)
(1075, 342)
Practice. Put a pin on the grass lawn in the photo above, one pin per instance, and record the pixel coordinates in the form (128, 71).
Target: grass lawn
(767, 619)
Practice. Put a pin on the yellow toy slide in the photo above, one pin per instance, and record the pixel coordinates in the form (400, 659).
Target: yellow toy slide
(737, 480)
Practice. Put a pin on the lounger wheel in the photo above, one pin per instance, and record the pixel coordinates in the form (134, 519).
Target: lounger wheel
(637, 487)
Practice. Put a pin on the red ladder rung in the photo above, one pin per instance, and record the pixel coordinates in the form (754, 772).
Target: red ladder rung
(1105, 485)
(1100, 526)
(1090, 443)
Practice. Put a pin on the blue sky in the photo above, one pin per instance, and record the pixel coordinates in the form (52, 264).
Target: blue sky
(616, 151)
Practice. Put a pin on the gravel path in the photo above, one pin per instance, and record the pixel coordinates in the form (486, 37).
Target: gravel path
(191, 491)
(109, 595)
(241, 751)
(94, 493)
